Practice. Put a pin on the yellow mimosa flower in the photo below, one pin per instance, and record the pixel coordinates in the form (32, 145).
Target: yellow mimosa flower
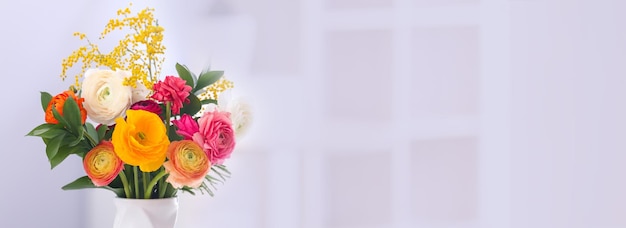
(141, 140)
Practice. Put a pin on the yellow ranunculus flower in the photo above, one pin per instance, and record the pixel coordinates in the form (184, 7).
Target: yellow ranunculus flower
(141, 140)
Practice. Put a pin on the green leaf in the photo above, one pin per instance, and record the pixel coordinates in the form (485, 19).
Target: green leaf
(207, 78)
(118, 191)
(79, 147)
(109, 133)
(185, 74)
(85, 182)
(117, 182)
(172, 135)
(41, 129)
(188, 189)
(52, 146)
(170, 191)
(46, 140)
(45, 100)
(203, 187)
(77, 140)
(212, 179)
(193, 107)
(206, 188)
(80, 183)
(223, 168)
(219, 174)
(210, 182)
(102, 130)
(53, 133)
(208, 101)
(47, 131)
(71, 112)
(61, 155)
(61, 119)
(91, 131)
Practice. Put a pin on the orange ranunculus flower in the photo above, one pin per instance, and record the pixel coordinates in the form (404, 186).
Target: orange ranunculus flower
(101, 164)
(58, 101)
(187, 164)
(140, 140)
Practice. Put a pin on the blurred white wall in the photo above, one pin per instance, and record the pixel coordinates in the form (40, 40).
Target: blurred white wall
(368, 113)
(31, 47)
(568, 113)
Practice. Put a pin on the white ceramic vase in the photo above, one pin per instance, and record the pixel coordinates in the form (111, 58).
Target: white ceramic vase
(145, 213)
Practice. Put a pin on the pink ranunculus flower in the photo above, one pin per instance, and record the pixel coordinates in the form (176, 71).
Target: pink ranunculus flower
(215, 136)
(147, 105)
(187, 126)
(186, 164)
(174, 90)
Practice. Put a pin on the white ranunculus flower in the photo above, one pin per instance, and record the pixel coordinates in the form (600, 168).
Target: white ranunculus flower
(240, 115)
(106, 97)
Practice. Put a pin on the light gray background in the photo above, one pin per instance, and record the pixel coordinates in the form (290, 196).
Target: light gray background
(377, 113)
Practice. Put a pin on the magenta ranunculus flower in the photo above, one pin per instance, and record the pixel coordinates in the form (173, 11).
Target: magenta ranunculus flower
(187, 126)
(174, 90)
(215, 136)
(147, 105)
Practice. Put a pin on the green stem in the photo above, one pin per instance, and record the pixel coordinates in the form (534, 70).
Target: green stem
(128, 172)
(136, 177)
(152, 183)
(162, 185)
(146, 190)
(162, 188)
(155, 68)
(125, 184)
(168, 116)
(149, 67)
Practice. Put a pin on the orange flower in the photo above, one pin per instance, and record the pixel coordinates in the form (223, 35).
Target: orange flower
(187, 164)
(101, 164)
(141, 140)
(58, 101)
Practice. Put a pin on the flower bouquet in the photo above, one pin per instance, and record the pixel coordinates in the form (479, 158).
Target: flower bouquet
(150, 138)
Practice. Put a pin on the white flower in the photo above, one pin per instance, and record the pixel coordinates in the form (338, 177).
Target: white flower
(240, 115)
(106, 98)
(140, 93)
(239, 109)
